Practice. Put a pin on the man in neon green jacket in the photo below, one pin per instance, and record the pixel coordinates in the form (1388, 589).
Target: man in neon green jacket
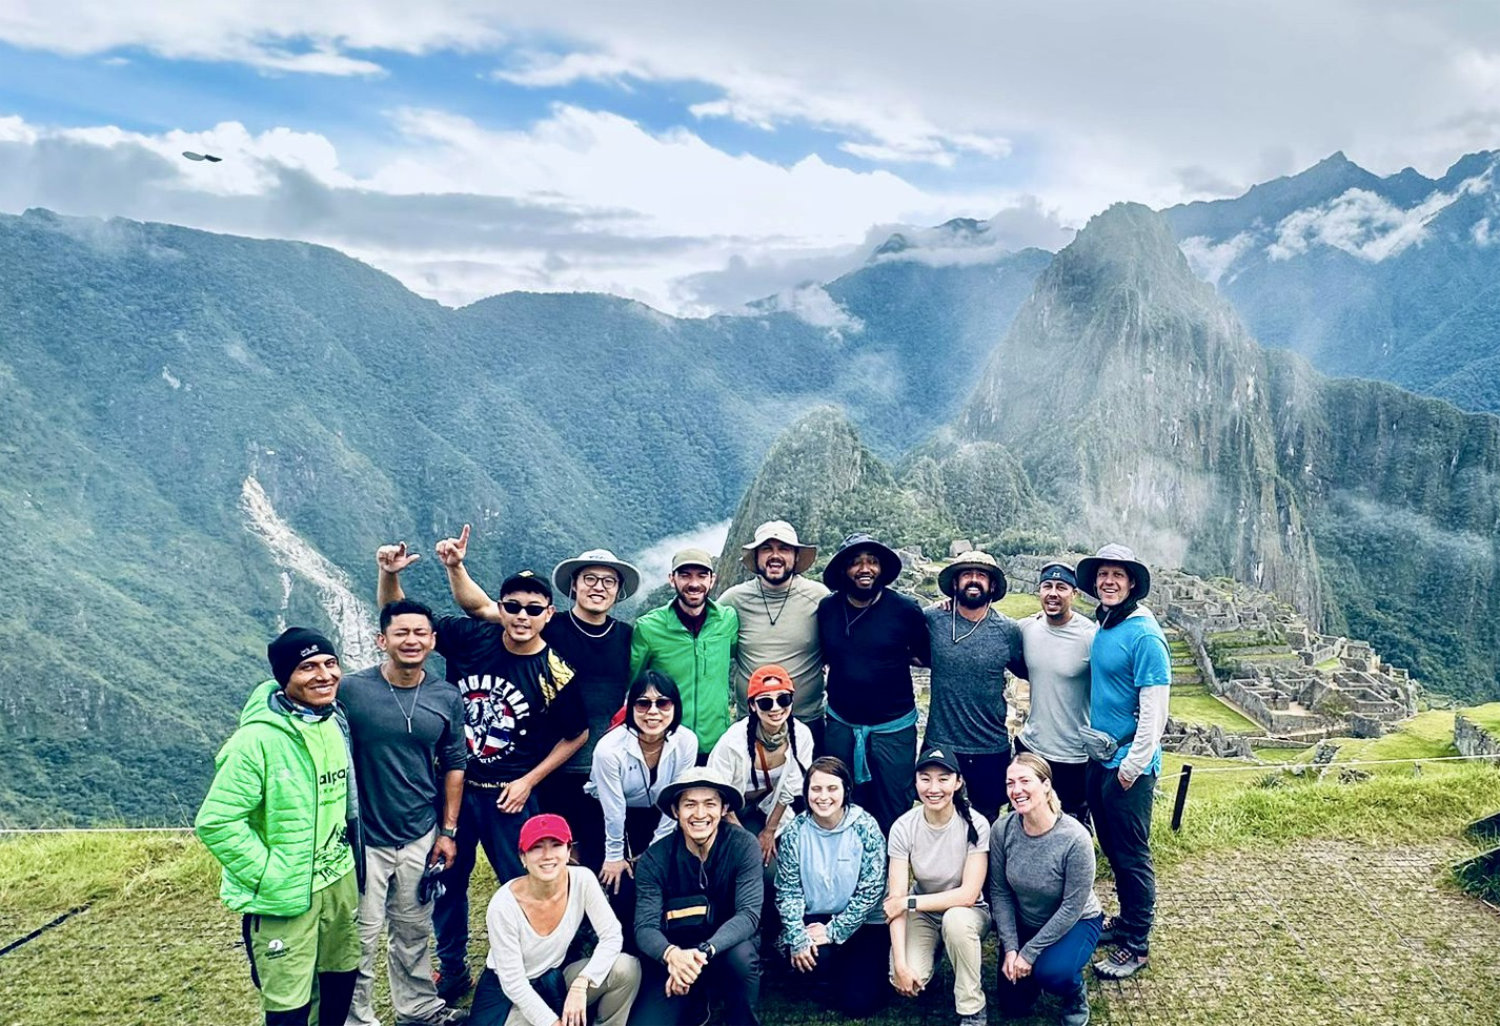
(280, 817)
(692, 640)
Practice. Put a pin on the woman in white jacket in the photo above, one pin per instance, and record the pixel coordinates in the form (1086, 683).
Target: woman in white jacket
(766, 755)
(633, 763)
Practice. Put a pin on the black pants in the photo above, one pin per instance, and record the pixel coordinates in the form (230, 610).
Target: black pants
(984, 777)
(892, 758)
(816, 729)
(733, 975)
(1122, 819)
(562, 793)
(491, 1005)
(640, 825)
(479, 824)
(850, 977)
(1070, 781)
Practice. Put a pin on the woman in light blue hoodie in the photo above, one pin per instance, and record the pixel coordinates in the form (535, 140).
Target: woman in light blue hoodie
(830, 879)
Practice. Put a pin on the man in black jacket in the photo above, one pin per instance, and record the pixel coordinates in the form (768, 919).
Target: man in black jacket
(698, 901)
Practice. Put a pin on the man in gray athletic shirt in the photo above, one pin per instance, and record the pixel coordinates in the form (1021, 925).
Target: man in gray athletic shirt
(405, 726)
(1056, 644)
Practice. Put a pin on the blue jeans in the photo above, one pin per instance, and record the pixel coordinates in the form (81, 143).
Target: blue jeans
(1122, 819)
(1058, 969)
(479, 823)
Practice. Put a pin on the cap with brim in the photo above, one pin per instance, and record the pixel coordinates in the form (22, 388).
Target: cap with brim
(767, 680)
(693, 557)
(700, 776)
(630, 577)
(547, 826)
(835, 574)
(937, 756)
(1058, 572)
(975, 560)
(1118, 555)
(779, 530)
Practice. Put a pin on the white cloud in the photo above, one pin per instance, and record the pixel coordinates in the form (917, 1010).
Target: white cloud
(813, 304)
(1209, 260)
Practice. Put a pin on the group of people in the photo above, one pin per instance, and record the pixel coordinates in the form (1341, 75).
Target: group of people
(725, 779)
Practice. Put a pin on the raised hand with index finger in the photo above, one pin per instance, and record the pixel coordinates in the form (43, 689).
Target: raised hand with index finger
(393, 559)
(452, 551)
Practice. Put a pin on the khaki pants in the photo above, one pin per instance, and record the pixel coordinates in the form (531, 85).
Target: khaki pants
(961, 930)
(390, 901)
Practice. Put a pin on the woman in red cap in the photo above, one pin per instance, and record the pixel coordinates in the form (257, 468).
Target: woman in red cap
(532, 921)
(766, 755)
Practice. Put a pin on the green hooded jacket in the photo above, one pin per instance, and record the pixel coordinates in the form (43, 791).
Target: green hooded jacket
(700, 666)
(259, 819)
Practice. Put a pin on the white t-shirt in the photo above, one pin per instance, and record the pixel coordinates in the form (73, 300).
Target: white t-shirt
(936, 854)
(1058, 660)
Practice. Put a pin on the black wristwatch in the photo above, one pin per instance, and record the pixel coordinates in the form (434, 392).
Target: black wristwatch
(707, 949)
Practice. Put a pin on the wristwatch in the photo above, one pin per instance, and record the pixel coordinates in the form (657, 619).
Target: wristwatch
(911, 903)
(449, 832)
(707, 949)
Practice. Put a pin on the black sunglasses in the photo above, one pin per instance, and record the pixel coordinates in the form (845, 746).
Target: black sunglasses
(765, 703)
(647, 704)
(513, 607)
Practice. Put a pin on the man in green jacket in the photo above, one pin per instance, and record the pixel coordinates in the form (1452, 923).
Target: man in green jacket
(280, 817)
(692, 640)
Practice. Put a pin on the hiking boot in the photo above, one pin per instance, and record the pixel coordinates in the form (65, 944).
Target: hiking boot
(1109, 933)
(445, 1016)
(1074, 1010)
(1120, 965)
(973, 1019)
(452, 985)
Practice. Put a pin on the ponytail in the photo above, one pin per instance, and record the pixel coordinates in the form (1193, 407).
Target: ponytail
(961, 805)
(1043, 770)
(752, 724)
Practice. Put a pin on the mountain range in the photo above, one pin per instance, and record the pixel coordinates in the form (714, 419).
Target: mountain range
(205, 437)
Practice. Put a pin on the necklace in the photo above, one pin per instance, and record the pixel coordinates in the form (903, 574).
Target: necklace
(977, 625)
(588, 633)
(415, 698)
(785, 597)
(849, 623)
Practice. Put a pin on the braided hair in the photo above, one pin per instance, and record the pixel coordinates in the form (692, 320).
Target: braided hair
(961, 805)
(752, 724)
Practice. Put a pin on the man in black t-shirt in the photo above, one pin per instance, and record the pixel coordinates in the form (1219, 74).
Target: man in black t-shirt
(594, 643)
(870, 636)
(521, 722)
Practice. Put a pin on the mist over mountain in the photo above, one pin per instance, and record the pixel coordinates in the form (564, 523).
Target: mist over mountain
(206, 437)
(1392, 278)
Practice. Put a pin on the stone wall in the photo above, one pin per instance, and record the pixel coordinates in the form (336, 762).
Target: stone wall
(1472, 739)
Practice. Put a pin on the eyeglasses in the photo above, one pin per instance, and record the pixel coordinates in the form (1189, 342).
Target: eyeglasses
(609, 582)
(765, 703)
(513, 607)
(647, 704)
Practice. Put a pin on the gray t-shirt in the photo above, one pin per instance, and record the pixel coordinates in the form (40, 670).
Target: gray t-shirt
(780, 628)
(936, 854)
(1042, 884)
(399, 773)
(1058, 659)
(966, 707)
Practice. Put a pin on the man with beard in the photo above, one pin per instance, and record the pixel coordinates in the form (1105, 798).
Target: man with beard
(588, 639)
(521, 721)
(1056, 644)
(1130, 686)
(972, 647)
(870, 637)
(778, 613)
(403, 723)
(692, 640)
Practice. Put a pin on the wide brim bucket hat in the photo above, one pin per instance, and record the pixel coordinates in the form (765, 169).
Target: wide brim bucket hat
(630, 577)
(974, 560)
(779, 530)
(1119, 555)
(700, 776)
(835, 573)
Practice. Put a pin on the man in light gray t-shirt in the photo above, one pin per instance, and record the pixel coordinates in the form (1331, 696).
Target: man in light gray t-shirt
(1056, 643)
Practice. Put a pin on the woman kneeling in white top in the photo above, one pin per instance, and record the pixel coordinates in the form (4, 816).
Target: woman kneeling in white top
(765, 756)
(938, 854)
(532, 920)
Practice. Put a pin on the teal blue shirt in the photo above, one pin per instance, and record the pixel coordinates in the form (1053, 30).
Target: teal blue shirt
(1124, 659)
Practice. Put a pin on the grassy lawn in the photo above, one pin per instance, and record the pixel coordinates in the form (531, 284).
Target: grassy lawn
(1486, 716)
(1017, 604)
(1194, 704)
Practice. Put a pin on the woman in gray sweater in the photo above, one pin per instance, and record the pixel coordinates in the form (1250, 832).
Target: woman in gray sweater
(1042, 896)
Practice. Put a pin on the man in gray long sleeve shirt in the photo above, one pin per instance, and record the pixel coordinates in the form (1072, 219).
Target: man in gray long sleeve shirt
(698, 903)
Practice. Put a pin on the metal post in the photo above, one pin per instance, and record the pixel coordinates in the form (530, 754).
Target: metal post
(1182, 789)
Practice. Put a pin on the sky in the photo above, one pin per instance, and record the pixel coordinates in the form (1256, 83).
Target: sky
(697, 156)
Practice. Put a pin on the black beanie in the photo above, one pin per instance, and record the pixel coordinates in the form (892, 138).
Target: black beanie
(291, 647)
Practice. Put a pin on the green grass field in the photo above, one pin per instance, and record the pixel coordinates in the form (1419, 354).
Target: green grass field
(1193, 703)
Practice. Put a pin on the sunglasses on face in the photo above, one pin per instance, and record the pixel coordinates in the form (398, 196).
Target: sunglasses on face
(765, 703)
(513, 607)
(647, 704)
